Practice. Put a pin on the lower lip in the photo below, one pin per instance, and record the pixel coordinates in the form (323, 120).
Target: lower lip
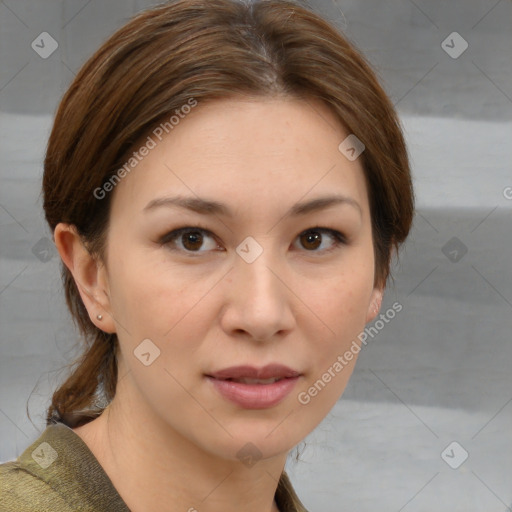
(255, 396)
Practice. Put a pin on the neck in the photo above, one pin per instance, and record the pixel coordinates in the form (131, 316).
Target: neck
(153, 467)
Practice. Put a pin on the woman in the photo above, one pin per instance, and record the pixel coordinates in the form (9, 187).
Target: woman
(226, 183)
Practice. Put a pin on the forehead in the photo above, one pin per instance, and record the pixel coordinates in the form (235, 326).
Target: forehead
(245, 152)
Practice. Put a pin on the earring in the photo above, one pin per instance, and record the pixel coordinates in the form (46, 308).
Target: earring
(99, 317)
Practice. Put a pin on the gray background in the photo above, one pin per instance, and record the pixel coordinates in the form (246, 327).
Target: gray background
(439, 372)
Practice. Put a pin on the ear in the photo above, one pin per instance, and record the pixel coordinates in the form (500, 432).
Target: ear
(89, 273)
(375, 303)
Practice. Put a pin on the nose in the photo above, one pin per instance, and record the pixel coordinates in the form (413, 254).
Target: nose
(258, 301)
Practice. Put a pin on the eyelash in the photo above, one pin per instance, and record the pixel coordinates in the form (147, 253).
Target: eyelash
(172, 236)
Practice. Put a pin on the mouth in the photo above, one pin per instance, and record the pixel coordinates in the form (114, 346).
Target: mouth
(254, 388)
(256, 381)
(265, 373)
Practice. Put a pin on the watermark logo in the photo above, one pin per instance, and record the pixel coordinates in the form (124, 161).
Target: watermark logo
(44, 455)
(454, 455)
(454, 45)
(44, 45)
(454, 249)
(44, 249)
(146, 352)
(249, 455)
(249, 250)
(351, 147)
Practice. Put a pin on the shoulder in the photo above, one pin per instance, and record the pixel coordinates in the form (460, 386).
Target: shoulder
(22, 491)
(57, 473)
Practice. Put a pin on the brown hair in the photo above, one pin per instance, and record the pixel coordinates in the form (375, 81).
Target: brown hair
(205, 50)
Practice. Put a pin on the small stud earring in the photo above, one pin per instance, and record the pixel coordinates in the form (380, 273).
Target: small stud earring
(99, 317)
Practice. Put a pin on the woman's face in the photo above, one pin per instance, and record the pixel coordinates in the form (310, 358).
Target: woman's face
(273, 267)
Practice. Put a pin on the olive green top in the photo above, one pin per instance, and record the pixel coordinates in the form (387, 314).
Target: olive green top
(58, 473)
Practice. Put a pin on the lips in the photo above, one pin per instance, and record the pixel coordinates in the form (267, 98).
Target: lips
(255, 388)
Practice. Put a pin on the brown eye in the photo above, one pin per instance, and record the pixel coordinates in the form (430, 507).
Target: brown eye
(192, 240)
(311, 240)
(320, 240)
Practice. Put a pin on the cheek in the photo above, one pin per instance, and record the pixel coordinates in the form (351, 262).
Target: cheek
(345, 318)
(140, 285)
(342, 307)
(342, 301)
(152, 299)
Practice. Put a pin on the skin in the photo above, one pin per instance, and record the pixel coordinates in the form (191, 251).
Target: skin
(169, 440)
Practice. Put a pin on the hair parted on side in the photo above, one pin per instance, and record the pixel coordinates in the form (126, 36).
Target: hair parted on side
(206, 50)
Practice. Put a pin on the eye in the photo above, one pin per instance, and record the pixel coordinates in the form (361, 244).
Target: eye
(190, 239)
(194, 239)
(314, 238)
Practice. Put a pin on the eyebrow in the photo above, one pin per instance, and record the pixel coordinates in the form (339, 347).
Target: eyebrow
(207, 207)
